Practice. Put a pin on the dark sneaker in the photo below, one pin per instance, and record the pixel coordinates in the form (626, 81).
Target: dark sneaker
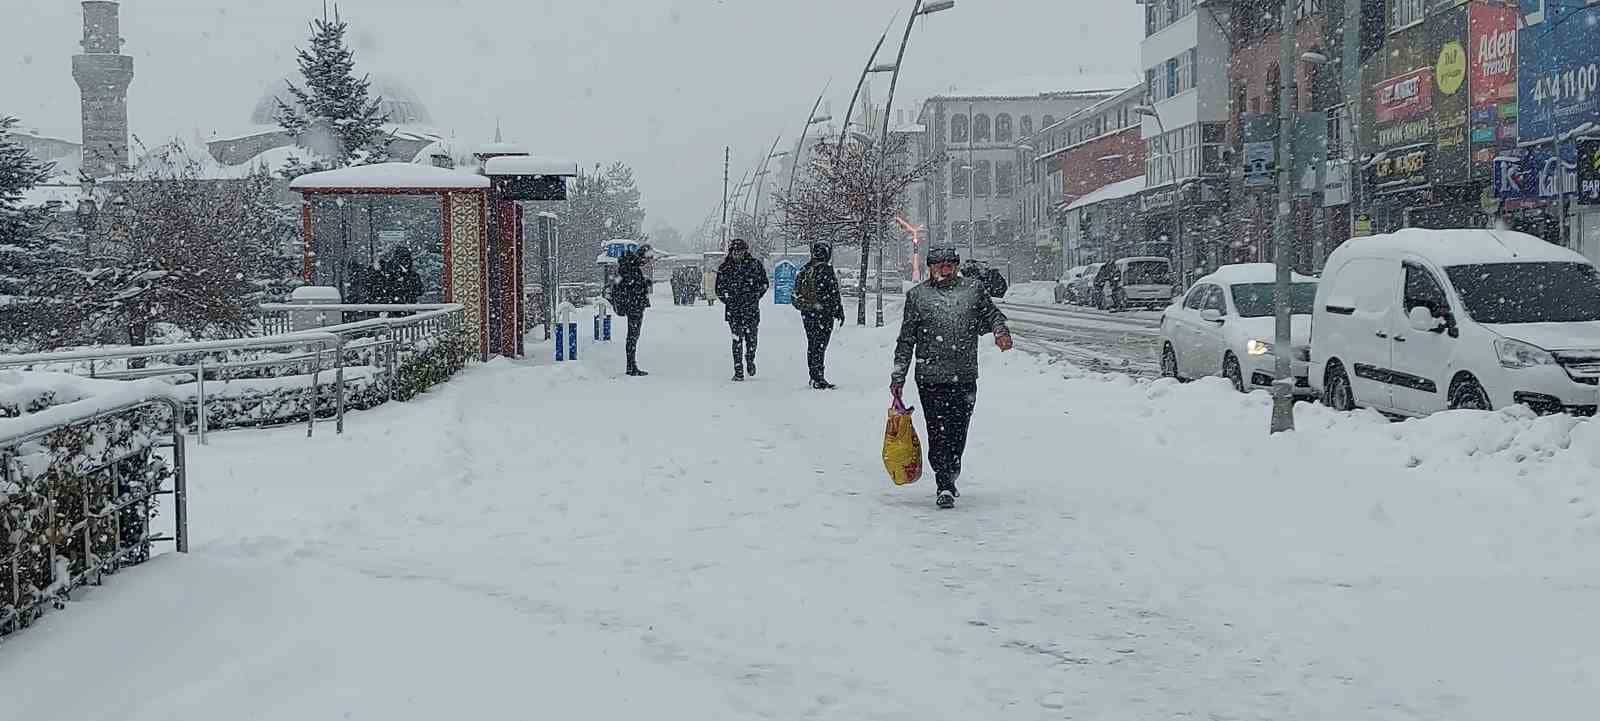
(750, 368)
(738, 378)
(635, 372)
(823, 385)
(946, 499)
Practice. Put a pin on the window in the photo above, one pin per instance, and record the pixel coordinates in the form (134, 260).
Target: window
(1407, 13)
(1339, 132)
(960, 180)
(981, 179)
(1002, 128)
(1161, 15)
(1005, 178)
(982, 232)
(1027, 125)
(1424, 291)
(958, 129)
(958, 233)
(1545, 292)
(1307, 8)
(980, 128)
(1197, 297)
(1003, 230)
(1172, 78)
(1215, 301)
(1272, 87)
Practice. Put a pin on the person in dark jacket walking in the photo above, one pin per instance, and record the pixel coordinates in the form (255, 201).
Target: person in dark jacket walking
(741, 283)
(816, 295)
(944, 317)
(630, 296)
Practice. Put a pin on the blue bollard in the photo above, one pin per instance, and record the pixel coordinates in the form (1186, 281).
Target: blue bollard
(607, 327)
(572, 341)
(561, 346)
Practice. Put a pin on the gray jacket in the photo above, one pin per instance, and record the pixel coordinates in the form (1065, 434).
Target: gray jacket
(942, 326)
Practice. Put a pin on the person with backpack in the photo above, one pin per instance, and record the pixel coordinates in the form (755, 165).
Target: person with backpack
(816, 296)
(944, 317)
(630, 296)
(741, 283)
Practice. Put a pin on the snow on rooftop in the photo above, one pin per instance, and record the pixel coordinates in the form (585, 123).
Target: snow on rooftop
(529, 165)
(388, 176)
(501, 148)
(1114, 191)
(1463, 247)
(1111, 83)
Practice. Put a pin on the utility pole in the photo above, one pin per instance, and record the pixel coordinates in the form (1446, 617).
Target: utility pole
(1282, 344)
(727, 156)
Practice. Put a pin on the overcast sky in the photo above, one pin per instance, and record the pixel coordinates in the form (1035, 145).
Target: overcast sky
(660, 84)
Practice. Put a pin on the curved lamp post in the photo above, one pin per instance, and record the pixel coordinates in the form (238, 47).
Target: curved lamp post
(919, 9)
(799, 145)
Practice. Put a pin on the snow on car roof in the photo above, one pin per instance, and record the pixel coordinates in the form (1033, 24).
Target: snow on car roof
(1240, 273)
(1462, 247)
(388, 176)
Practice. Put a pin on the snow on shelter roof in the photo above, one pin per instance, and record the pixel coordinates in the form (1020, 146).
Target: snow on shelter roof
(1462, 247)
(529, 165)
(1114, 191)
(389, 176)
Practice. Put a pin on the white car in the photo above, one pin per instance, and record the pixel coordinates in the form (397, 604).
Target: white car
(1420, 321)
(1063, 286)
(1225, 326)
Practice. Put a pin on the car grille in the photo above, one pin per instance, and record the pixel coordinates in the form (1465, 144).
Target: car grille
(1583, 366)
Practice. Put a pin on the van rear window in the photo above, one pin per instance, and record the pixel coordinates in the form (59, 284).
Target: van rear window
(1148, 272)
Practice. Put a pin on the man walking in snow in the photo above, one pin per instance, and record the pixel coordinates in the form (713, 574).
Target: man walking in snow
(816, 295)
(630, 296)
(741, 283)
(944, 317)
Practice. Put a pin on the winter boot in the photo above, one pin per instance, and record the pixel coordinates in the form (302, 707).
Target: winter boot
(822, 385)
(635, 372)
(738, 360)
(945, 499)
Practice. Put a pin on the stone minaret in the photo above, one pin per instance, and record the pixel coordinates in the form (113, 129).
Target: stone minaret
(103, 74)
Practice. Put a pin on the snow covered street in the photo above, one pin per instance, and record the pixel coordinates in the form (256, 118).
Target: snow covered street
(558, 541)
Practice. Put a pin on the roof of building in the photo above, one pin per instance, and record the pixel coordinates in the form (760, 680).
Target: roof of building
(529, 165)
(1114, 191)
(1037, 87)
(389, 176)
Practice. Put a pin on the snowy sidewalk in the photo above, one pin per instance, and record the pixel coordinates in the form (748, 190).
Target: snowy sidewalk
(545, 542)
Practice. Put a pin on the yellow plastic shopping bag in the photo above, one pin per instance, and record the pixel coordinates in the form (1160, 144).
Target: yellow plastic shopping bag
(902, 449)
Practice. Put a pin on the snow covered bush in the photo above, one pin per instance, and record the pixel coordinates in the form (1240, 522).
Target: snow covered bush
(75, 504)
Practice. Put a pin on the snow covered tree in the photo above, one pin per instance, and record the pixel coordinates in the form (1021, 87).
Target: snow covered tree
(332, 114)
(600, 206)
(28, 252)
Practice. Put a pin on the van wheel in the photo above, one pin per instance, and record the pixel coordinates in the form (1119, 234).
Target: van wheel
(1169, 363)
(1337, 392)
(1468, 395)
(1230, 370)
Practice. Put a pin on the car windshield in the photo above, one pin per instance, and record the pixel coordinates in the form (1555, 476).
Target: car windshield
(1148, 272)
(1256, 300)
(1555, 292)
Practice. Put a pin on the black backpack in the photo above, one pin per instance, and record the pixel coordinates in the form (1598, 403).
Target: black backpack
(996, 283)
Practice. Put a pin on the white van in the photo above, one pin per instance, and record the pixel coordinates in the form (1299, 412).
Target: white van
(1420, 321)
(1144, 280)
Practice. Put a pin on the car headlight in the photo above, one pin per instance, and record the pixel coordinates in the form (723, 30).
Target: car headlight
(1517, 354)
(1257, 346)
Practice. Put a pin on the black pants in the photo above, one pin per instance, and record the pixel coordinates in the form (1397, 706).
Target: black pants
(819, 331)
(744, 331)
(948, 408)
(635, 320)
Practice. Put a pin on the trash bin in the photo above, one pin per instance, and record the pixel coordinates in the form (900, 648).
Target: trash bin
(312, 319)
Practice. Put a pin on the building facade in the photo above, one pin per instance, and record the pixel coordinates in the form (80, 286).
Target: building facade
(971, 198)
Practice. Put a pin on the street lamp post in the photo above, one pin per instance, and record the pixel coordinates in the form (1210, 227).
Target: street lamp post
(918, 9)
(1283, 344)
(761, 226)
(799, 146)
(1177, 190)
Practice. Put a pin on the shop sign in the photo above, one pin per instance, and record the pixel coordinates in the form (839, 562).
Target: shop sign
(1535, 174)
(1558, 73)
(1589, 171)
(1406, 96)
(1401, 169)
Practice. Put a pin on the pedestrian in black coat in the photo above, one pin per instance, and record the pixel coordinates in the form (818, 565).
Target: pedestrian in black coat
(816, 296)
(741, 283)
(630, 296)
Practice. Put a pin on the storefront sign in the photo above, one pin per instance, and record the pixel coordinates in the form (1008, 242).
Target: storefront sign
(1362, 226)
(1451, 163)
(1534, 174)
(1260, 134)
(1406, 96)
(1558, 73)
(1492, 48)
(1402, 169)
(1451, 70)
(1589, 171)
(1336, 184)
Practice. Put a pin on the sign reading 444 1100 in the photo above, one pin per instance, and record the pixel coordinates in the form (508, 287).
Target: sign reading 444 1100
(1558, 74)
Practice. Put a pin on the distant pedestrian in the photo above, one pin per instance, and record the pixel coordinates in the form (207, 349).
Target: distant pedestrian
(677, 287)
(630, 296)
(816, 295)
(944, 317)
(741, 284)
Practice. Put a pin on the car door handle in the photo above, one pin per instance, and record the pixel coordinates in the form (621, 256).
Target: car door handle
(1399, 339)
(1382, 334)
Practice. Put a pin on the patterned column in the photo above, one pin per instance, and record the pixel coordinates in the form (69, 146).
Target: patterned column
(466, 214)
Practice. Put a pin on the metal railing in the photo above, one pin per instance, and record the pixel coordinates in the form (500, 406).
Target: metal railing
(78, 491)
(382, 346)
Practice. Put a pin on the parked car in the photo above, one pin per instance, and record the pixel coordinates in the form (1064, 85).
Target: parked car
(1144, 280)
(1080, 290)
(1226, 325)
(1419, 321)
(1062, 286)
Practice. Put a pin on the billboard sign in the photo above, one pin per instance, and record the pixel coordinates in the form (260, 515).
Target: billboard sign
(1558, 73)
(1406, 96)
(1492, 45)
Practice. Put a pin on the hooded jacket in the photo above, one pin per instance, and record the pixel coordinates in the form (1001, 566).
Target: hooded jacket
(741, 285)
(827, 303)
(631, 294)
(943, 322)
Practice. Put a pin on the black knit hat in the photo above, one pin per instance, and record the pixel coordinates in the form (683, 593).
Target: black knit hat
(943, 254)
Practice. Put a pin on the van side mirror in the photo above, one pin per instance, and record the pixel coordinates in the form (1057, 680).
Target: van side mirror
(1424, 320)
(1211, 315)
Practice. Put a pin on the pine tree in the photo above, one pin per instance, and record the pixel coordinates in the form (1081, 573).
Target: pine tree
(29, 255)
(332, 114)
